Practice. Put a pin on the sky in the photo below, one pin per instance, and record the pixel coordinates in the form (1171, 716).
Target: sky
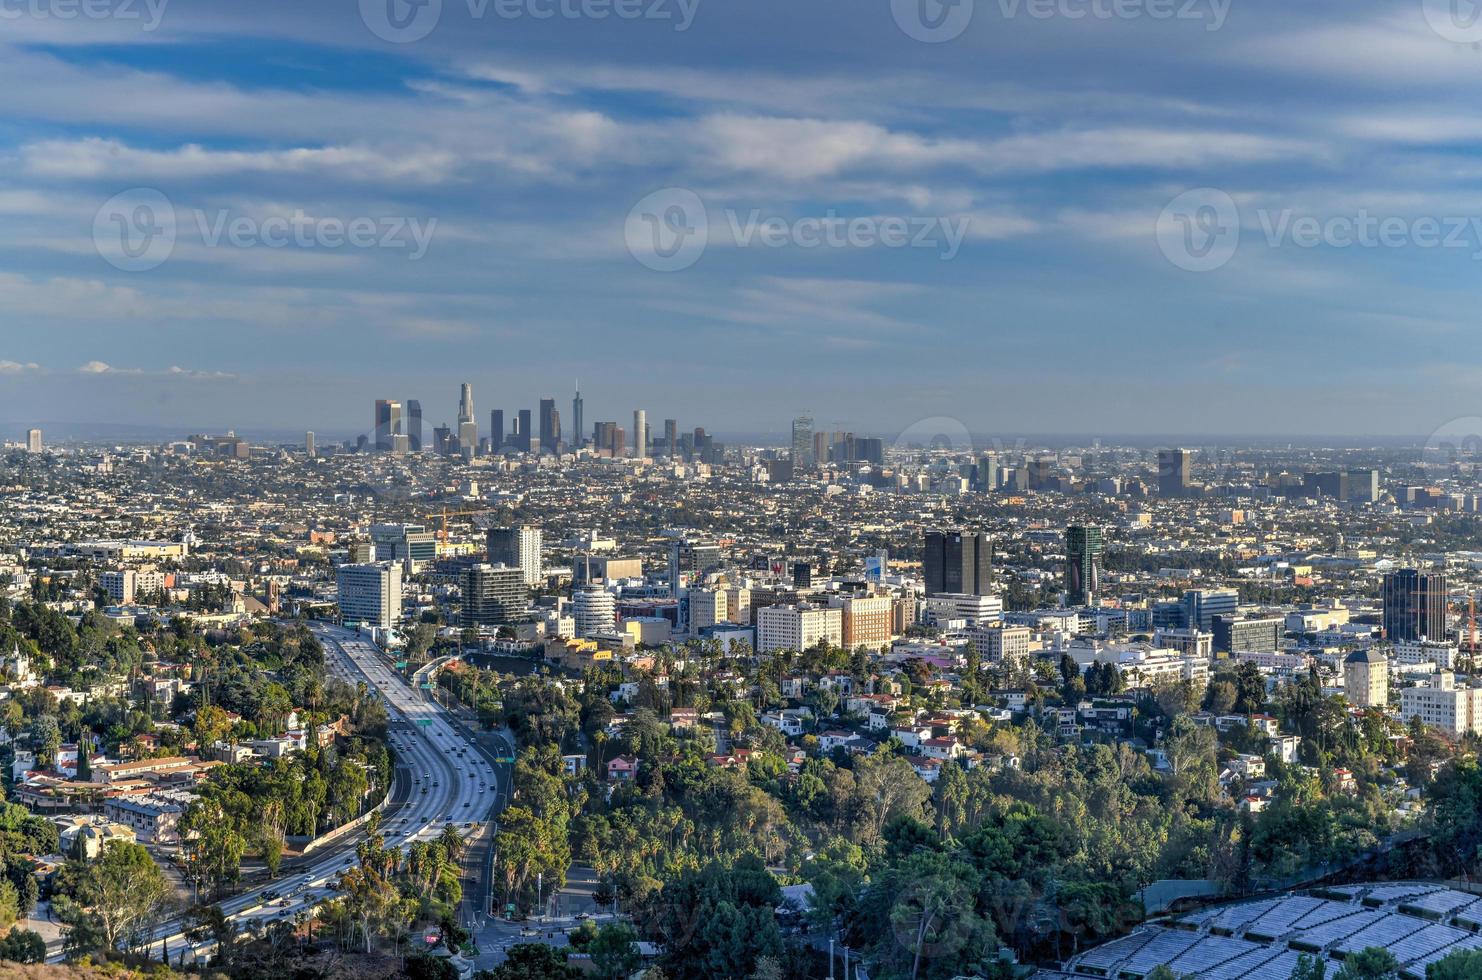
(1026, 216)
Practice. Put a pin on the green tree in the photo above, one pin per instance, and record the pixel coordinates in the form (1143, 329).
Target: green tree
(614, 951)
(534, 961)
(1464, 964)
(1373, 963)
(1309, 968)
(23, 946)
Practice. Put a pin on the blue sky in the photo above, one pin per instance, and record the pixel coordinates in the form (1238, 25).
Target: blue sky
(1053, 133)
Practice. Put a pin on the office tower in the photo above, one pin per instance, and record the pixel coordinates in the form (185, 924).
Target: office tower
(370, 594)
(550, 426)
(525, 436)
(618, 440)
(595, 610)
(802, 443)
(442, 440)
(493, 595)
(958, 563)
(388, 424)
(640, 434)
(1173, 472)
(802, 575)
(1414, 605)
(987, 474)
(1202, 605)
(468, 429)
(1233, 634)
(1325, 486)
(519, 547)
(496, 430)
(1363, 486)
(308, 445)
(1082, 564)
(671, 437)
(577, 406)
(409, 544)
(1041, 472)
(33, 440)
(689, 559)
(414, 425)
(870, 451)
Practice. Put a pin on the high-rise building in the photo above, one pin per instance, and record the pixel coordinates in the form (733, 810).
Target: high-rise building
(414, 425)
(387, 425)
(468, 429)
(866, 621)
(1442, 704)
(308, 444)
(524, 436)
(640, 434)
(519, 546)
(1082, 564)
(496, 430)
(1414, 605)
(33, 440)
(1201, 606)
(550, 428)
(987, 474)
(1366, 679)
(802, 443)
(958, 562)
(493, 595)
(1173, 472)
(370, 594)
(442, 440)
(799, 627)
(689, 559)
(409, 544)
(577, 412)
(671, 437)
(594, 610)
(1363, 486)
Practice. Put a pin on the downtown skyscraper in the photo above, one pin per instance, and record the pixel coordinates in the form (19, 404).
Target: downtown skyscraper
(957, 563)
(577, 407)
(468, 429)
(640, 434)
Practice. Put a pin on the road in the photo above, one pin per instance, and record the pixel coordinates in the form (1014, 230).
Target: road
(443, 776)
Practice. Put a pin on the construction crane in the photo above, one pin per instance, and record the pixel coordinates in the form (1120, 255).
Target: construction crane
(442, 534)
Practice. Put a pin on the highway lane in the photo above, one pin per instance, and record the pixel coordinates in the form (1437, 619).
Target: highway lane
(454, 781)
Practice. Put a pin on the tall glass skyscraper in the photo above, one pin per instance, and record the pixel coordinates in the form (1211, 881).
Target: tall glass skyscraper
(1082, 564)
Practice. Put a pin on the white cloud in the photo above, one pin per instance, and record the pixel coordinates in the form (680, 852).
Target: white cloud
(18, 367)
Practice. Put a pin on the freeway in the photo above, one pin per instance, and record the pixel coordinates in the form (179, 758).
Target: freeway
(443, 776)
